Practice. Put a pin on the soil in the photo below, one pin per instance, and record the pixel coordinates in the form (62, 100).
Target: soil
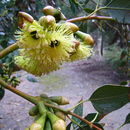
(75, 81)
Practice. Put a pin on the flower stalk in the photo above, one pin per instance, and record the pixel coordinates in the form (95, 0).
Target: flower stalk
(8, 50)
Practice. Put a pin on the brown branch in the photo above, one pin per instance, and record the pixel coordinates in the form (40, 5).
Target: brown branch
(18, 92)
(8, 50)
(90, 18)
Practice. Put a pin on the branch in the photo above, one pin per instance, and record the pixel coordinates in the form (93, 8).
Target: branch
(35, 101)
(16, 91)
(8, 50)
(90, 18)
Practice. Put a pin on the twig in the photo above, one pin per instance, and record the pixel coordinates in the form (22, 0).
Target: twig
(16, 91)
(9, 49)
(90, 18)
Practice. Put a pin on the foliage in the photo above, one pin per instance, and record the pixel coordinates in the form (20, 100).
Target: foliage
(105, 99)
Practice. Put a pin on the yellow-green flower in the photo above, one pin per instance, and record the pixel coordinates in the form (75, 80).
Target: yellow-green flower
(44, 49)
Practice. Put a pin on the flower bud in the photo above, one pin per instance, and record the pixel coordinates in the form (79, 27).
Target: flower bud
(61, 115)
(73, 27)
(48, 125)
(36, 126)
(33, 111)
(59, 100)
(49, 10)
(86, 38)
(47, 21)
(39, 123)
(24, 16)
(43, 95)
(57, 123)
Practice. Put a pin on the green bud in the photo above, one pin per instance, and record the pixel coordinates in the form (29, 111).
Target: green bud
(86, 38)
(42, 108)
(33, 111)
(61, 115)
(59, 100)
(36, 126)
(48, 125)
(57, 123)
(43, 95)
(39, 123)
(73, 27)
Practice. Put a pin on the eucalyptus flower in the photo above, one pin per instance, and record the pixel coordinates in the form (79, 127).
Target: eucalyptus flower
(44, 48)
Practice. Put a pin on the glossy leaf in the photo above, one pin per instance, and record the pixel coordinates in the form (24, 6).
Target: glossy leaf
(109, 98)
(123, 14)
(79, 111)
(124, 83)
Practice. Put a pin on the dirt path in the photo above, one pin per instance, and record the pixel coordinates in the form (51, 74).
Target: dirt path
(74, 80)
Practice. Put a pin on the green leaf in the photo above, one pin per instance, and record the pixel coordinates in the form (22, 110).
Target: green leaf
(122, 15)
(2, 92)
(127, 120)
(79, 111)
(124, 83)
(109, 98)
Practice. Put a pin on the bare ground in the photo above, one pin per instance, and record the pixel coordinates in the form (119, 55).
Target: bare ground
(74, 80)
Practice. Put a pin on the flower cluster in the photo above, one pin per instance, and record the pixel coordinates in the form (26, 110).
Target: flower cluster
(45, 45)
